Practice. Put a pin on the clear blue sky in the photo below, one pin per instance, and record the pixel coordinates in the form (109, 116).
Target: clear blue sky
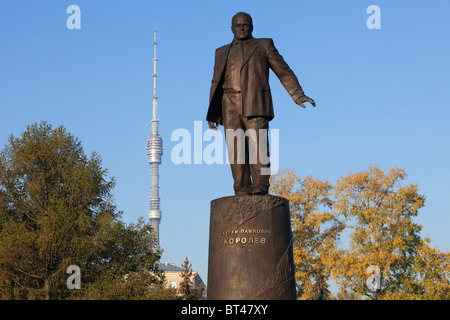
(382, 95)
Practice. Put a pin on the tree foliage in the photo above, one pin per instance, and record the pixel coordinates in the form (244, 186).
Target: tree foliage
(377, 210)
(315, 227)
(187, 288)
(380, 210)
(56, 210)
(320, 288)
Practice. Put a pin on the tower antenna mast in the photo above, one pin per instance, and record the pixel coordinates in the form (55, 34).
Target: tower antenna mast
(155, 152)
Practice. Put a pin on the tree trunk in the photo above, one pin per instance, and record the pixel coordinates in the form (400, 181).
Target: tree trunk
(47, 284)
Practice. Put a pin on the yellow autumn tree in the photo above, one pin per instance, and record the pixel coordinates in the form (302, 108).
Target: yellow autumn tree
(429, 279)
(315, 228)
(379, 207)
(377, 210)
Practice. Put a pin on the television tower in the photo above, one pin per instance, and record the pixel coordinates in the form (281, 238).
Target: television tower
(154, 152)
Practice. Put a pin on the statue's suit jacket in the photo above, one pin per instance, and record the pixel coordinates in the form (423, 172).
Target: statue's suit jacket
(260, 55)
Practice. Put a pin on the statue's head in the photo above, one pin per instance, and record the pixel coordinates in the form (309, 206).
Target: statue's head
(242, 26)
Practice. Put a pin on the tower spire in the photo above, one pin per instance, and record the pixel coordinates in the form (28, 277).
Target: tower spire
(154, 152)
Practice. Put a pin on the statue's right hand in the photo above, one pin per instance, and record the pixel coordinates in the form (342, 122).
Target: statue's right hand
(213, 126)
(302, 99)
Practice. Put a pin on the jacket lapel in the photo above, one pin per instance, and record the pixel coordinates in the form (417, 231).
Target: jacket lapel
(223, 60)
(249, 50)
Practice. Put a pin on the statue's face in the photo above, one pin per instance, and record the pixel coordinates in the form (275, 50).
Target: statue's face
(242, 28)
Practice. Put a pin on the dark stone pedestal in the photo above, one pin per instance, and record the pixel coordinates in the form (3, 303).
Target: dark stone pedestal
(250, 249)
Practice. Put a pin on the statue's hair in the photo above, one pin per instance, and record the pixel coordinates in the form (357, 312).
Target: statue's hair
(242, 14)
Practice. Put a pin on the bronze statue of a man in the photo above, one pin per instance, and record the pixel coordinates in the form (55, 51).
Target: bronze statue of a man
(240, 99)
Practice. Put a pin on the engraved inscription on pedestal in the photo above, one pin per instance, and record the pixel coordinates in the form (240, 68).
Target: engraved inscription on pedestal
(250, 249)
(246, 236)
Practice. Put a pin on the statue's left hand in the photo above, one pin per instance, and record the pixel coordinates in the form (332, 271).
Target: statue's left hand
(302, 99)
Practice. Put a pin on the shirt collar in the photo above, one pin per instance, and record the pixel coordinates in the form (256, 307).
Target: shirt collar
(235, 41)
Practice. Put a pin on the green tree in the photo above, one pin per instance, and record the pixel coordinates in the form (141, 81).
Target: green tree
(124, 265)
(56, 210)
